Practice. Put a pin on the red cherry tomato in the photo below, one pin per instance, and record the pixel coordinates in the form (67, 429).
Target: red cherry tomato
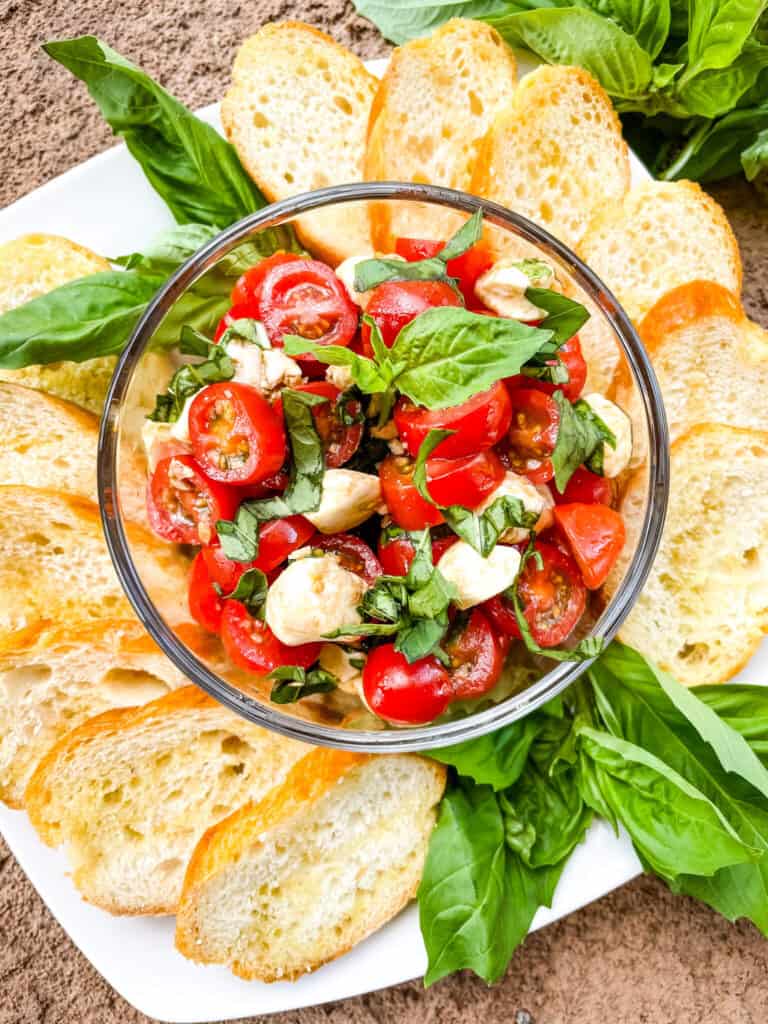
(553, 598)
(354, 554)
(409, 694)
(466, 481)
(274, 484)
(305, 297)
(533, 434)
(236, 435)
(479, 423)
(584, 487)
(277, 539)
(239, 312)
(570, 354)
(476, 657)
(596, 535)
(205, 605)
(340, 440)
(248, 286)
(395, 303)
(183, 504)
(252, 645)
(397, 553)
(466, 268)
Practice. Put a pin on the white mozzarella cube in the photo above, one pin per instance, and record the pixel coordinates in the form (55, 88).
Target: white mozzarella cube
(535, 499)
(311, 598)
(264, 368)
(476, 578)
(615, 460)
(503, 287)
(336, 660)
(349, 498)
(346, 274)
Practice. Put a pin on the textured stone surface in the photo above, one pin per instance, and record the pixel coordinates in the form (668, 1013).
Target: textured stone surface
(638, 955)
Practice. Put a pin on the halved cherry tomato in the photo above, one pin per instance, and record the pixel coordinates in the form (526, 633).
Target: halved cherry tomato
(252, 645)
(248, 286)
(585, 487)
(353, 553)
(596, 535)
(410, 694)
(305, 297)
(397, 553)
(466, 268)
(205, 605)
(476, 656)
(236, 436)
(274, 484)
(465, 481)
(277, 539)
(478, 423)
(533, 434)
(570, 354)
(340, 440)
(183, 504)
(240, 312)
(395, 303)
(553, 598)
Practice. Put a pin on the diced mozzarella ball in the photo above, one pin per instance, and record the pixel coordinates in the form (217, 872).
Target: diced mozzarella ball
(334, 659)
(477, 578)
(153, 436)
(503, 287)
(311, 598)
(535, 499)
(264, 368)
(349, 498)
(346, 274)
(615, 460)
(340, 376)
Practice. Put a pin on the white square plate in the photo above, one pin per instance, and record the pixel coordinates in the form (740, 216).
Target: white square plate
(107, 205)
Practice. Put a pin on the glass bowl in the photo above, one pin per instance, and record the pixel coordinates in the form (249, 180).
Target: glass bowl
(144, 370)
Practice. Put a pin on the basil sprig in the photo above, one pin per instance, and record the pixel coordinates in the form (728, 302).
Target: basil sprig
(190, 378)
(293, 683)
(581, 437)
(564, 316)
(480, 530)
(240, 536)
(442, 357)
(373, 272)
(251, 590)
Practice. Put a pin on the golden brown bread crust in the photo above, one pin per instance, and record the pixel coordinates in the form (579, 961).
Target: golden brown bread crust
(685, 304)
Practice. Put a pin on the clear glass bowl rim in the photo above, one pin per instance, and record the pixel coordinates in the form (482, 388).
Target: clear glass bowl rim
(387, 740)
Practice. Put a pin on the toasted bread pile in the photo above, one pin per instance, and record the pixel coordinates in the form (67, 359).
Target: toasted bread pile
(274, 857)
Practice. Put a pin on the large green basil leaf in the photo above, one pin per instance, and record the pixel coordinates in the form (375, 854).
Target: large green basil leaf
(647, 21)
(186, 161)
(714, 149)
(496, 759)
(717, 32)
(744, 707)
(401, 20)
(718, 90)
(754, 158)
(574, 35)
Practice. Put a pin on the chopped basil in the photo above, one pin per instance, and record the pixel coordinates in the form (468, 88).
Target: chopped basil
(251, 590)
(292, 683)
(245, 329)
(580, 438)
(189, 379)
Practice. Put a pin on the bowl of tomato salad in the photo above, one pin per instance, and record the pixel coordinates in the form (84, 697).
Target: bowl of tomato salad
(392, 481)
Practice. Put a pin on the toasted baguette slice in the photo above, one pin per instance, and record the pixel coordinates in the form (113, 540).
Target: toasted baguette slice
(704, 607)
(130, 792)
(664, 234)
(296, 112)
(52, 679)
(433, 107)
(711, 361)
(555, 153)
(54, 564)
(284, 886)
(33, 265)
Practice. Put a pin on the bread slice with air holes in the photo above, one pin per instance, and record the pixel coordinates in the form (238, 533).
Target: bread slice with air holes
(555, 153)
(130, 792)
(663, 234)
(31, 266)
(434, 104)
(704, 607)
(54, 564)
(52, 678)
(283, 886)
(296, 112)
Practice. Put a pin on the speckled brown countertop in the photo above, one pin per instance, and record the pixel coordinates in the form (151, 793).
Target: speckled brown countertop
(638, 955)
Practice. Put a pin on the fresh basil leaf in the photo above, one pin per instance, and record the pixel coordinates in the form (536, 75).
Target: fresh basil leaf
(419, 638)
(468, 904)
(421, 567)
(564, 318)
(496, 759)
(431, 600)
(373, 272)
(482, 531)
(192, 377)
(575, 35)
(554, 372)
(244, 329)
(714, 149)
(433, 439)
(366, 374)
(718, 90)
(448, 354)
(754, 159)
(717, 32)
(169, 250)
(239, 537)
(674, 827)
(251, 590)
(383, 601)
(743, 707)
(365, 629)
(580, 437)
(186, 161)
(647, 21)
(401, 20)
(293, 683)
(463, 240)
